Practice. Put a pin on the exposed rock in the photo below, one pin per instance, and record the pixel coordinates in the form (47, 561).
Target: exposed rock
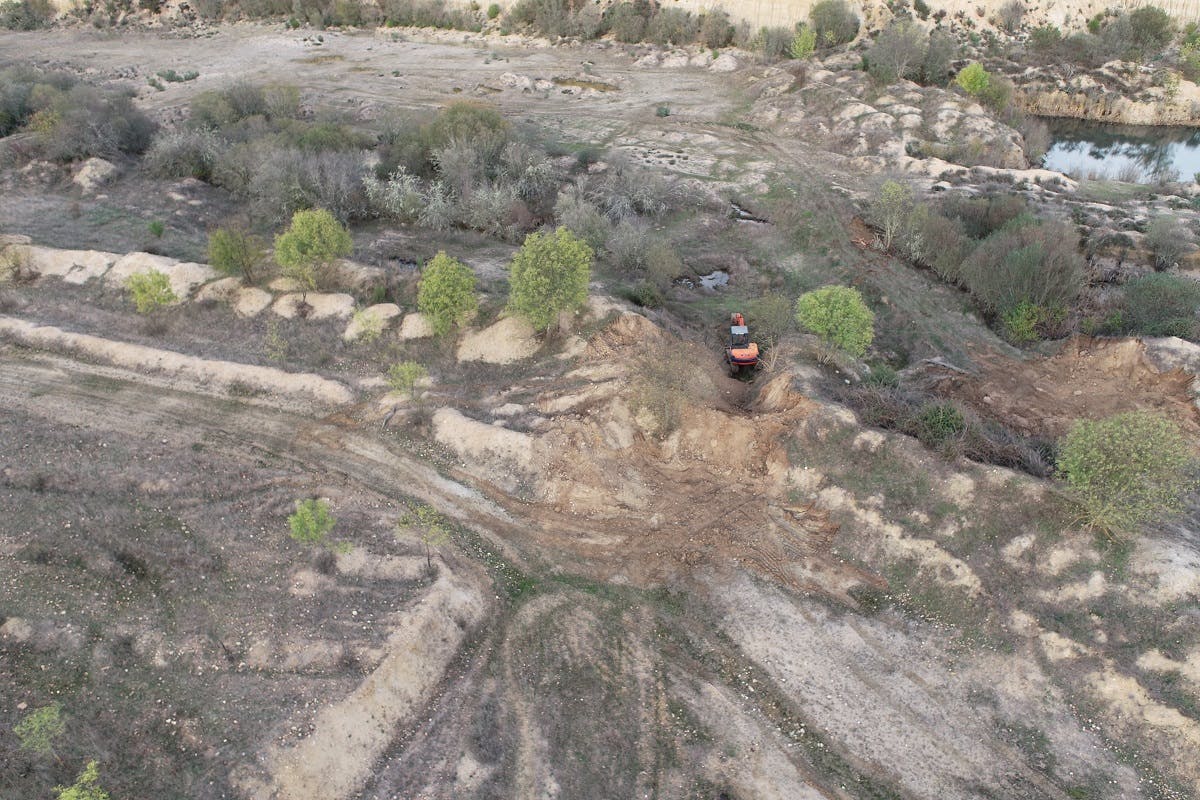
(511, 339)
(355, 277)
(222, 290)
(184, 277)
(383, 312)
(94, 173)
(415, 326)
(73, 266)
(723, 63)
(320, 306)
(251, 301)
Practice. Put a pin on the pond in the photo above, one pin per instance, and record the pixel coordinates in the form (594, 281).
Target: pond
(1099, 151)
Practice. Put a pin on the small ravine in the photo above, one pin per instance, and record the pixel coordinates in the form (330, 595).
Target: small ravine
(1100, 151)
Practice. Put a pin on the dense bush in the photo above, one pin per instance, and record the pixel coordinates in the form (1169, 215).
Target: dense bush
(446, 294)
(549, 275)
(581, 216)
(898, 52)
(980, 217)
(839, 318)
(185, 154)
(1026, 263)
(1167, 240)
(672, 26)
(26, 15)
(834, 22)
(22, 91)
(715, 29)
(1127, 470)
(1152, 30)
(1163, 305)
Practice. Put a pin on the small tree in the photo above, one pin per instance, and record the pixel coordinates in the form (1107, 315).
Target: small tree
(310, 246)
(1127, 470)
(549, 275)
(86, 786)
(974, 80)
(898, 52)
(839, 317)
(431, 527)
(405, 376)
(150, 291)
(804, 43)
(446, 294)
(311, 523)
(1167, 240)
(235, 252)
(834, 22)
(39, 728)
(890, 210)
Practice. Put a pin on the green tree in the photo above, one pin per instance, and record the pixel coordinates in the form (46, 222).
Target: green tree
(404, 377)
(432, 528)
(39, 728)
(311, 523)
(890, 209)
(235, 252)
(1127, 470)
(839, 317)
(804, 43)
(446, 294)
(549, 275)
(974, 79)
(310, 246)
(150, 290)
(86, 786)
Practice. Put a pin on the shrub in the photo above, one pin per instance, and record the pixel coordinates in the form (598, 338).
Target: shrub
(772, 317)
(627, 21)
(311, 523)
(839, 317)
(579, 215)
(493, 11)
(980, 217)
(715, 29)
(404, 377)
(939, 52)
(397, 197)
(1030, 263)
(1045, 39)
(1163, 305)
(623, 192)
(898, 52)
(974, 79)
(1010, 15)
(883, 376)
(1127, 470)
(672, 26)
(833, 22)
(280, 181)
(235, 252)
(26, 15)
(936, 241)
(889, 211)
(150, 291)
(185, 154)
(86, 786)
(1151, 30)
(446, 294)
(1167, 240)
(549, 275)
(309, 247)
(937, 423)
(804, 43)
(85, 121)
(38, 729)
(773, 43)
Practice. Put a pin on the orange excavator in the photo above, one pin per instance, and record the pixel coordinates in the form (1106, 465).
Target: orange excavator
(741, 352)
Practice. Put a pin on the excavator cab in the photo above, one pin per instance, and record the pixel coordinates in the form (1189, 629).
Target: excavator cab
(741, 352)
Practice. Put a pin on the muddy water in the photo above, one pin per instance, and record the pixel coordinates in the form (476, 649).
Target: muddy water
(1123, 152)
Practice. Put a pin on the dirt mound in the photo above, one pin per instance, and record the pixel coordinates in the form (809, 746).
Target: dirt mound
(508, 340)
(627, 331)
(1087, 379)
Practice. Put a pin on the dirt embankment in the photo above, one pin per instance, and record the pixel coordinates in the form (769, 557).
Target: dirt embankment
(1086, 379)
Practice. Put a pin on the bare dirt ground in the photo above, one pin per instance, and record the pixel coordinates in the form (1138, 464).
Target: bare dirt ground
(762, 599)
(1086, 379)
